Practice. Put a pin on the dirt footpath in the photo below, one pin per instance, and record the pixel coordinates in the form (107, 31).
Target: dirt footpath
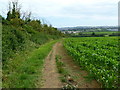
(51, 76)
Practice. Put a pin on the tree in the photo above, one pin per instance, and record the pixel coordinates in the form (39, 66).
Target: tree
(14, 10)
(26, 16)
(35, 24)
(9, 14)
(93, 34)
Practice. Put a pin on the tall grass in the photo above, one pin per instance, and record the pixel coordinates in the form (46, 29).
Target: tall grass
(24, 71)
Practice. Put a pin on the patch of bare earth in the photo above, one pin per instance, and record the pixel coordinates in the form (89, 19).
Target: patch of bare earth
(75, 70)
(50, 74)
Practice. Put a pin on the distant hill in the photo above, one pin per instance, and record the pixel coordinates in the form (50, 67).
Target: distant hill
(89, 28)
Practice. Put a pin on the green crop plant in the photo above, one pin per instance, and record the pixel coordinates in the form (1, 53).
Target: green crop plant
(98, 55)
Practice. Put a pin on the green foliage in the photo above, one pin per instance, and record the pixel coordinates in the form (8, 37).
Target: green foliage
(0, 19)
(93, 33)
(36, 25)
(16, 22)
(14, 11)
(16, 39)
(14, 19)
(61, 66)
(9, 16)
(19, 37)
(24, 72)
(97, 34)
(12, 41)
(97, 55)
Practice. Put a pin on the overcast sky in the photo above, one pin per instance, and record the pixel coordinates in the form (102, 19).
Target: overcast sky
(64, 13)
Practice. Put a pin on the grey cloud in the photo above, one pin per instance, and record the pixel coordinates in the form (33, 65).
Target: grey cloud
(105, 9)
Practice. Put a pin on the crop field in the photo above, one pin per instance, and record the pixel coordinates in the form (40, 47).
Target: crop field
(98, 55)
(69, 53)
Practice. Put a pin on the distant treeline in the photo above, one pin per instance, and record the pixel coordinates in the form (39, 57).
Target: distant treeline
(90, 28)
(96, 34)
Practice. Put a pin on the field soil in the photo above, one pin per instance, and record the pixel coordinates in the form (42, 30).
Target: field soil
(51, 76)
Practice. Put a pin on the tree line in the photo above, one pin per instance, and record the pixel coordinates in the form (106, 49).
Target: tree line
(20, 32)
(18, 19)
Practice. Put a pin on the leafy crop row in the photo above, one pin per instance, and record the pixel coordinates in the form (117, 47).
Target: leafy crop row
(98, 55)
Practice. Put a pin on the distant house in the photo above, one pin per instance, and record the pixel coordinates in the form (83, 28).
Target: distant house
(70, 32)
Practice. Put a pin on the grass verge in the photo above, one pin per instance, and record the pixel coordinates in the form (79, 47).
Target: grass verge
(25, 73)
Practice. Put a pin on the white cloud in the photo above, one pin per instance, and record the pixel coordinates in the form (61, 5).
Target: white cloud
(55, 7)
(81, 9)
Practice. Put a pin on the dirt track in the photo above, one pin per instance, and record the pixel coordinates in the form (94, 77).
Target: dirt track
(51, 76)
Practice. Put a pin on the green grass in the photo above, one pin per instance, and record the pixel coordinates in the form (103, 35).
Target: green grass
(61, 66)
(24, 71)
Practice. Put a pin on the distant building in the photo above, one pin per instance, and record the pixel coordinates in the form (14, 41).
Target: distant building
(70, 32)
(112, 29)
